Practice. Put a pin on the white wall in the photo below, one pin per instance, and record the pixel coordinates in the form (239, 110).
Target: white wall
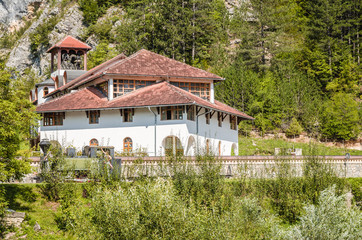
(41, 93)
(111, 130)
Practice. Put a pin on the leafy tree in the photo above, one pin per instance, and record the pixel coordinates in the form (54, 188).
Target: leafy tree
(182, 30)
(101, 54)
(16, 117)
(340, 118)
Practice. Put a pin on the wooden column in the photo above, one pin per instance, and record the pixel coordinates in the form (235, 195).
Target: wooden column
(52, 62)
(59, 60)
(85, 61)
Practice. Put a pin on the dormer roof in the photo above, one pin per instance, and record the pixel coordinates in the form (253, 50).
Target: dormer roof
(70, 42)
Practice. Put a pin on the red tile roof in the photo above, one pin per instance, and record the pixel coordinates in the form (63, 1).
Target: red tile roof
(142, 63)
(70, 42)
(159, 94)
(147, 63)
(86, 98)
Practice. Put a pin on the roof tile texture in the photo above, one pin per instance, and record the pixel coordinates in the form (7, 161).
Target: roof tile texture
(70, 42)
(159, 94)
(149, 63)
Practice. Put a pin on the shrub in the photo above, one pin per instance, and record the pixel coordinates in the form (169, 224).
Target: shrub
(331, 219)
(294, 128)
(145, 210)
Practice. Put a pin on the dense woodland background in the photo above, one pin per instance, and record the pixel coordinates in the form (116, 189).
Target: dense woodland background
(294, 65)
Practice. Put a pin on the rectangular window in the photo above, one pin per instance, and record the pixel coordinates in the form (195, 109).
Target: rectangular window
(191, 113)
(219, 119)
(53, 119)
(128, 115)
(233, 124)
(94, 117)
(122, 87)
(199, 89)
(171, 113)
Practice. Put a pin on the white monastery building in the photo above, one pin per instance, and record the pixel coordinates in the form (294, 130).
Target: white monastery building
(144, 102)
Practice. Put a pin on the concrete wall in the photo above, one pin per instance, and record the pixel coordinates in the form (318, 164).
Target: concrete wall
(111, 131)
(245, 166)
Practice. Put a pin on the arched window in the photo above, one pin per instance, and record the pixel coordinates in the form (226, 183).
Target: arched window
(93, 142)
(173, 146)
(46, 91)
(127, 144)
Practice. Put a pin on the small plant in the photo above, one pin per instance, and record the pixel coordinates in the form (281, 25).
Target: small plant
(294, 129)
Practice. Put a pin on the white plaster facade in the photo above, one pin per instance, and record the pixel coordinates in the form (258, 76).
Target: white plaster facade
(111, 131)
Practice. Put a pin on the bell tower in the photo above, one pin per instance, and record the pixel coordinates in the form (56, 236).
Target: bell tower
(69, 53)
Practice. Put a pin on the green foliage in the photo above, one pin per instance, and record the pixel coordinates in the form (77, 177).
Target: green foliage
(101, 54)
(39, 38)
(294, 128)
(356, 189)
(3, 205)
(331, 219)
(286, 194)
(16, 117)
(340, 118)
(53, 174)
(185, 31)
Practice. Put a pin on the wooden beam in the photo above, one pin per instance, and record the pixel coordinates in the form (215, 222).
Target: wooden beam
(212, 113)
(198, 109)
(224, 116)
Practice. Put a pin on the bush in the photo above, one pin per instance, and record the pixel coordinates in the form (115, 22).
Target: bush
(331, 219)
(356, 189)
(150, 210)
(294, 128)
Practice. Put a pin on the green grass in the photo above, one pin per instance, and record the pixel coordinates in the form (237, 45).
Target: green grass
(26, 198)
(266, 147)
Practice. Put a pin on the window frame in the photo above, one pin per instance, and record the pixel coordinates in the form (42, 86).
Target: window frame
(93, 140)
(94, 116)
(120, 89)
(128, 115)
(128, 148)
(53, 119)
(175, 112)
(201, 90)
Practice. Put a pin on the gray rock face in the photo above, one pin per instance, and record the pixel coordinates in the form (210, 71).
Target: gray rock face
(12, 10)
(70, 24)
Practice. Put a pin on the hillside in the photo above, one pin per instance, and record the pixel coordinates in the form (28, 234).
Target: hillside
(293, 65)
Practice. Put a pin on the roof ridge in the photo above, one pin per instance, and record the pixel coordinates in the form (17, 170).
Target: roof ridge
(183, 63)
(127, 58)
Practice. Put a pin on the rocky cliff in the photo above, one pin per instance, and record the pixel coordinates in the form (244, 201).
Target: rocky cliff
(30, 14)
(70, 23)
